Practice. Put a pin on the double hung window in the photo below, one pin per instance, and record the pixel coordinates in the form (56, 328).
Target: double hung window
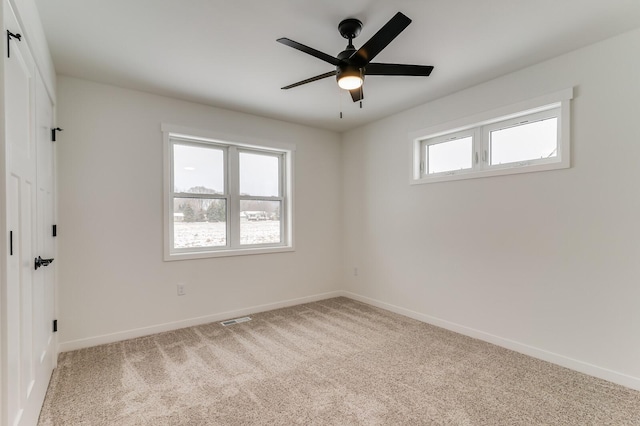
(225, 198)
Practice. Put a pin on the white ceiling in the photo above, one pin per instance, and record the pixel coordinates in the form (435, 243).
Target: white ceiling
(224, 52)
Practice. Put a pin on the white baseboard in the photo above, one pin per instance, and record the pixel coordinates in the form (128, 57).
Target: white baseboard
(145, 331)
(573, 364)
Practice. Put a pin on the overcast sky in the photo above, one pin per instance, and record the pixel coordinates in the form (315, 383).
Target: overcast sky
(203, 166)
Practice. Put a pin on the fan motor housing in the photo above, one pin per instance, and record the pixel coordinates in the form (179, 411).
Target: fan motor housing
(346, 54)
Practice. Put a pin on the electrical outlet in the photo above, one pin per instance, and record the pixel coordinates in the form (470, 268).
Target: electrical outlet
(182, 289)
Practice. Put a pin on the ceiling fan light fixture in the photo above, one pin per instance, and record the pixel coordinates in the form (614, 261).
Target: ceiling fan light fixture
(349, 77)
(350, 82)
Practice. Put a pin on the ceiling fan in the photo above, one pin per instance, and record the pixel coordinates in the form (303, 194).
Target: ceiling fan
(352, 65)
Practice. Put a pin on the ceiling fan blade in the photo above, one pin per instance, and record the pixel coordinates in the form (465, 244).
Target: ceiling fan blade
(380, 40)
(357, 94)
(309, 80)
(398, 69)
(309, 50)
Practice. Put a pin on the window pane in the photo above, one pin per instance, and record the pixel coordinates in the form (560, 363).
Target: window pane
(450, 155)
(259, 175)
(530, 141)
(198, 169)
(260, 222)
(199, 222)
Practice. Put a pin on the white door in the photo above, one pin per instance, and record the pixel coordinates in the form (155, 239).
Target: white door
(43, 293)
(28, 307)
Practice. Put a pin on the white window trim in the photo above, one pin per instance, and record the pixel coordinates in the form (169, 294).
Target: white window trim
(473, 133)
(236, 143)
(558, 100)
(513, 122)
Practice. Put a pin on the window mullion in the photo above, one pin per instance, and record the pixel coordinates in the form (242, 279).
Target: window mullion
(482, 144)
(233, 182)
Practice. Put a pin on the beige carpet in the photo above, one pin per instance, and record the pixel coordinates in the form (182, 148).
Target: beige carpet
(334, 362)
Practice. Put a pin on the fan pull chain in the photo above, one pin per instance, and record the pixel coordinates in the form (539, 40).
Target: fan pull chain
(340, 98)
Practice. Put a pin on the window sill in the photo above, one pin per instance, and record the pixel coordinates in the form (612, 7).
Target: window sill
(226, 253)
(504, 170)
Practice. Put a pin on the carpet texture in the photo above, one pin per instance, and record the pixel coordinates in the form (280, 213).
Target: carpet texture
(334, 362)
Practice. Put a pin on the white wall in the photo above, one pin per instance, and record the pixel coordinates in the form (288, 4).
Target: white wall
(546, 263)
(113, 282)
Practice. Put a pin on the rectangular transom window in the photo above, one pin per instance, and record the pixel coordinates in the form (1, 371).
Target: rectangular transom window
(449, 153)
(225, 198)
(524, 139)
(530, 136)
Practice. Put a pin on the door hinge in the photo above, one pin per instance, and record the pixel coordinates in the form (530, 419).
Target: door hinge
(54, 230)
(10, 243)
(55, 325)
(11, 35)
(53, 133)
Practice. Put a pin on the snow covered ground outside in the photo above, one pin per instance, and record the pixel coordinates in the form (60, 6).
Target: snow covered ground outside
(213, 234)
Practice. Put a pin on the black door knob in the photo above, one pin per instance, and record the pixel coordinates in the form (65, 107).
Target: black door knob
(42, 262)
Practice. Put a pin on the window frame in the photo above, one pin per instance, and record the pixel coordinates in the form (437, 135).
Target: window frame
(280, 198)
(449, 137)
(515, 122)
(557, 104)
(173, 194)
(231, 145)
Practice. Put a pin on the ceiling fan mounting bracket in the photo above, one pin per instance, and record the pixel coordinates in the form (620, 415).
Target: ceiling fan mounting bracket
(350, 28)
